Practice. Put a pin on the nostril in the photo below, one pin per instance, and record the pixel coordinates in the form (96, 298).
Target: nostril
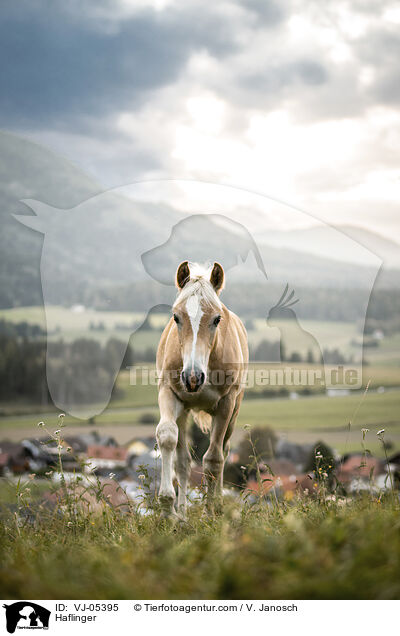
(201, 377)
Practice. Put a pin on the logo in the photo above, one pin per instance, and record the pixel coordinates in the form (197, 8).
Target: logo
(26, 615)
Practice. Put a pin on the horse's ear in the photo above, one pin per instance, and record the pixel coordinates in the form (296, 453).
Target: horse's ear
(217, 277)
(182, 275)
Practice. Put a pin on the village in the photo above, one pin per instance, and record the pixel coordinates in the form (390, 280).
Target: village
(261, 466)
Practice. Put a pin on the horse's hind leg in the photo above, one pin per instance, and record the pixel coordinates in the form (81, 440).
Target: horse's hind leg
(167, 437)
(213, 460)
(226, 443)
(182, 464)
(231, 425)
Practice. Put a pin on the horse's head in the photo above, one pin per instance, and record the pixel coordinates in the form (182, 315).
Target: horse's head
(197, 313)
(283, 309)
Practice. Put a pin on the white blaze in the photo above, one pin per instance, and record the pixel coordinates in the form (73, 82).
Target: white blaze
(195, 313)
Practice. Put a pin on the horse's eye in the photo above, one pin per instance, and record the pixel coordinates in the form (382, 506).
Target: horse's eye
(176, 319)
(217, 320)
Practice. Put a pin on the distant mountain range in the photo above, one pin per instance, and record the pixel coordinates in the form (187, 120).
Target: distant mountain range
(324, 241)
(98, 245)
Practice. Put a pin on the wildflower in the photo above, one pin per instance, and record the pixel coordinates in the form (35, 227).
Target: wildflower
(69, 524)
(318, 456)
(141, 477)
(111, 475)
(49, 472)
(57, 432)
(61, 416)
(381, 431)
(325, 475)
(41, 424)
(243, 468)
(364, 430)
(32, 476)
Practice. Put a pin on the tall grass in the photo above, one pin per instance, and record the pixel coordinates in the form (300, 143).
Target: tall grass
(313, 547)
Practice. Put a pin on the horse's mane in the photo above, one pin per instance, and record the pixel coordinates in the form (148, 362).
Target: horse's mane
(199, 285)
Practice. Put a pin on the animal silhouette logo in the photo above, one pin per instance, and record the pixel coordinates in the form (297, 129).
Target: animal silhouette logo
(294, 338)
(151, 256)
(26, 615)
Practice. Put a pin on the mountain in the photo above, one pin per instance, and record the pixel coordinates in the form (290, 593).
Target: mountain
(98, 240)
(330, 242)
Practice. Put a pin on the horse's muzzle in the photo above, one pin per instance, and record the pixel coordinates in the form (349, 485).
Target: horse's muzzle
(193, 379)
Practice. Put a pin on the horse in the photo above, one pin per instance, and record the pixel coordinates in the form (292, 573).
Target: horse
(202, 361)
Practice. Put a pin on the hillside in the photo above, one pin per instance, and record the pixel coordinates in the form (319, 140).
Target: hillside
(94, 246)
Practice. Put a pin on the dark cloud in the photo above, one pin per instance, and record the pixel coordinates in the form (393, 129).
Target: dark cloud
(269, 13)
(286, 75)
(380, 50)
(57, 64)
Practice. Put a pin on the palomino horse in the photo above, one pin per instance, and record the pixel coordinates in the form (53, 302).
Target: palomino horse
(202, 362)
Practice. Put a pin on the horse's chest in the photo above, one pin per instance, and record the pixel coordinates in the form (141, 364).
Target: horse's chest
(205, 400)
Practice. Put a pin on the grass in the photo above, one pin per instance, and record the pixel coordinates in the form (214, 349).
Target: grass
(317, 546)
(305, 549)
(72, 325)
(304, 419)
(320, 413)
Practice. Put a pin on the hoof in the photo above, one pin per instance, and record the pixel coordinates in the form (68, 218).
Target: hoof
(172, 517)
(167, 507)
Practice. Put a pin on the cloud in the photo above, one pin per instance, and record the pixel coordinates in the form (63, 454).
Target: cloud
(58, 65)
(292, 97)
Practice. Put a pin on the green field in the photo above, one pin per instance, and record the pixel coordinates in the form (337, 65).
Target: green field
(69, 324)
(306, 419)
(302, 549)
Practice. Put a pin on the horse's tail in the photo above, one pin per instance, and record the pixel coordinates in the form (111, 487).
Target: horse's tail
(203, 420)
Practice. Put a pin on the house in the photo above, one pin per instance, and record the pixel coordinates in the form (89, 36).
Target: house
(112, 495)
(140, 446)
(282, 485)
(279, 467)
(4, 468)
(296, 453)
(94, 438)
(106, 457)
(356, 466)
(14, 458)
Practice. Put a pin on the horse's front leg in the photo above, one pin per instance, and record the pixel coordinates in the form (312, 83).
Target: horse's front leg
(213, 460)
(167, 437)
(182, 464)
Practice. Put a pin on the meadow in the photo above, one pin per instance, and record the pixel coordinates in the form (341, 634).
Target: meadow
(336, 420)
(77, 322)
(321, 548)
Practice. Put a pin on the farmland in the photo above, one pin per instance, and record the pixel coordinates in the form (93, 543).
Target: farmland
(302, 419)
(78, 322)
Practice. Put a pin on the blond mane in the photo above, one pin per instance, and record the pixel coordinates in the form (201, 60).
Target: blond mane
(199, 285)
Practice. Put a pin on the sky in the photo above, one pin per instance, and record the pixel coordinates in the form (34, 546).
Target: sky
(295, 99)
